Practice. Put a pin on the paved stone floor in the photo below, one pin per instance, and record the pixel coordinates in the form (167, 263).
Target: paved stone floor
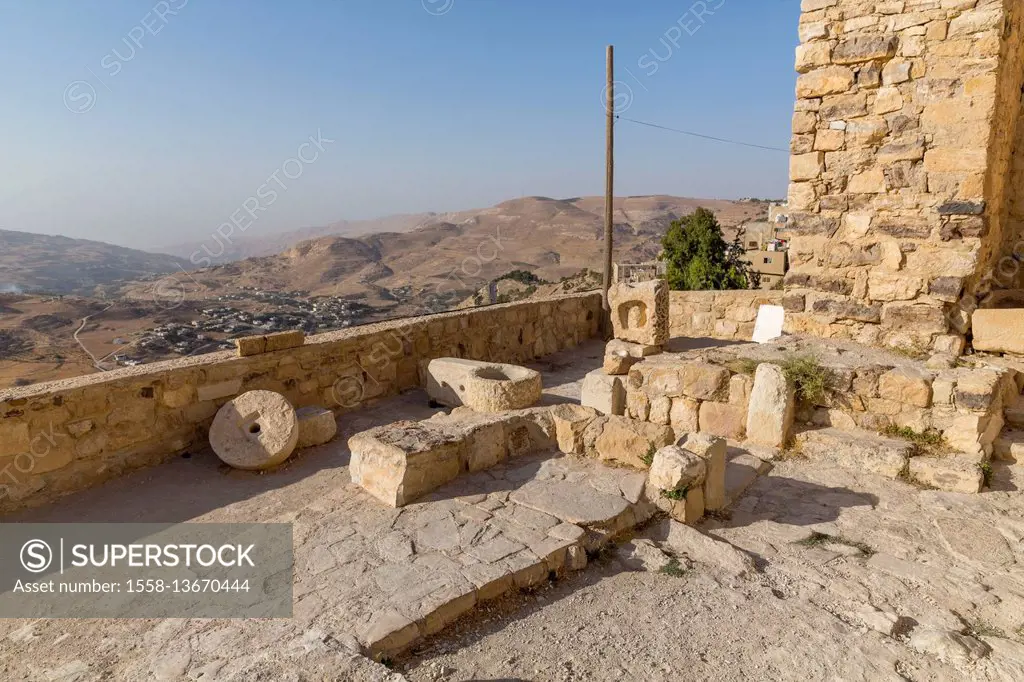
(858, 577)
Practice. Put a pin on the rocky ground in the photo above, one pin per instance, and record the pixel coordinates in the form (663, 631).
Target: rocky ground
(859, 578)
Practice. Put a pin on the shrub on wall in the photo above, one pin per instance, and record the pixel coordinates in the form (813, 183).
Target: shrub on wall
(698, 257)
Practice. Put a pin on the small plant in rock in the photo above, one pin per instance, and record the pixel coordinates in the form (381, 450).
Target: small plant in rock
(817, 539)
(813, 382)
(911, 352)
(673, 568)
(648, 457)
(927, 442)
(676, 495)
(986, 473)
(743, 366)
(984, 629)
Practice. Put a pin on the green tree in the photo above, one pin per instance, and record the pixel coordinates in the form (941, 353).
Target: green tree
(698, 257)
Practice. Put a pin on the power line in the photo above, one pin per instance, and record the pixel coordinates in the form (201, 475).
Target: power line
(702, 136)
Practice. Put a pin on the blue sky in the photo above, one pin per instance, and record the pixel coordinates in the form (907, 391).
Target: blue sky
(148, 123)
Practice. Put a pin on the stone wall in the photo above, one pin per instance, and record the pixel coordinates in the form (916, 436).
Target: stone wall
(717, 314)
(68, 435)
(905, 119)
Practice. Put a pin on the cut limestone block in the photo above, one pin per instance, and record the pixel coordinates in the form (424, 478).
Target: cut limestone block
(634, 350)
(771, 407)
(482, 386)
(955, 474)
(618, 362)
(405, 460)
(316, 426)
(999, 331)
(284, 340)
(712, 450)
(676, 469)
(256, 430)
(251, 345)
(604, 393)
(626, 441)
(640, 312)
(723, 419)
(857, 449)
(401, 462)
(1009, 446)
(570, 423)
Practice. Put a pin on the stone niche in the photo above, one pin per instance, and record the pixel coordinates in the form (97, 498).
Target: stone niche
(905, 168)
(640, 312)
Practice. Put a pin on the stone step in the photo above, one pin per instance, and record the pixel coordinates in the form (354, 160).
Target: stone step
(857, 449)
(741, 470)
(952, 473)
(1014, 414)
(1009, 446)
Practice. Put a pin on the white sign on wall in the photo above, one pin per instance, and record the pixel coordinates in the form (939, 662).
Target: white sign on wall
(769, 323)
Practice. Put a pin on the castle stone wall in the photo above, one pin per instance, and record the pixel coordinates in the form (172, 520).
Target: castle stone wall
(67, 435)
(901, 170)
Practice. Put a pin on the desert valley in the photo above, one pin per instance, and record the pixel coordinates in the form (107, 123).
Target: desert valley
(70, 307)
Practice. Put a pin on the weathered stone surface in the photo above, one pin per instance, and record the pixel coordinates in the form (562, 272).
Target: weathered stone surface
(857, 449)
(947, 645)
(628, 441)
(640, 312)
(482, 386)
(256, 430)
(676, 469)
(999, 331)
(682, 539)
(573, 505)
(283, 340)
(722, 419)
(771, 408)
(317, 426)
(642, 555)
(712, 450)
(604, 393)
(634, 350)
(251, 345)
(570, 422)
(952, 473)
(906, 386)
(618, 362)
(684, 414)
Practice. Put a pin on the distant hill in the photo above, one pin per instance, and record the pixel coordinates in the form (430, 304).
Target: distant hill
(61, 265)
(436, 265)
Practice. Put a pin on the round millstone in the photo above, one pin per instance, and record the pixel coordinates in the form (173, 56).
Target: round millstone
(256, 430)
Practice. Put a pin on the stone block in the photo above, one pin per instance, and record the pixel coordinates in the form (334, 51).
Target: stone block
(640, 312)
(570, 422)
(722, 419)
(628, 441)
(256, 430)
(403, 461)
(618, 362)
(830, 80)
(771, 408)
(635, 350)
(999, 331)
(712, 450)
(317, 426)
(251, 345)
(857, 450)
(676, 469)
(219, 390)
(604, 393)
(957, 474)
(684, 414)
(907, 386)
(482, 386)
(284, 341)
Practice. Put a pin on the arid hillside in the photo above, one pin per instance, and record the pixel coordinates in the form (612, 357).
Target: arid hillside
(436, 265)
(61, 265)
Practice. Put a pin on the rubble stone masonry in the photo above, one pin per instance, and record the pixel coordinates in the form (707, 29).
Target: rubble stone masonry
(905, 192)
(67, 435)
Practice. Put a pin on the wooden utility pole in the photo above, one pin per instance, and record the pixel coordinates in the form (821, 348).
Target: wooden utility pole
(609, 186)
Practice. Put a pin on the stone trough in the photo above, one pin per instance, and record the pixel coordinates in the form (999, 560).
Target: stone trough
(482, 386)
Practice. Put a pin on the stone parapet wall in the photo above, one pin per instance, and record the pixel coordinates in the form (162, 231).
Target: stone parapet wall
(903, 132)
(67, 435)
(717, 314)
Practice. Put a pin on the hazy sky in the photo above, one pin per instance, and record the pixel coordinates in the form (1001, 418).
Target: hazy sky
(149, 123)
